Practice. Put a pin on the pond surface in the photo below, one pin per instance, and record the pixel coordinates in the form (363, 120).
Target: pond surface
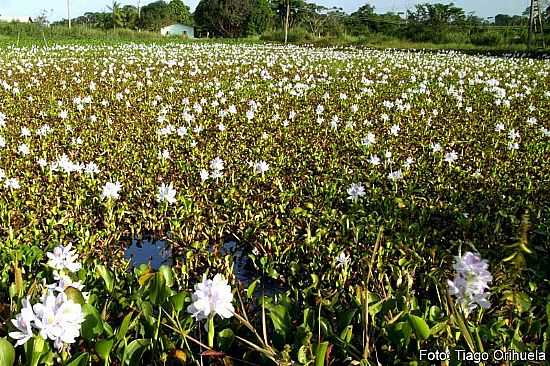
(157, 252)
(149, 251)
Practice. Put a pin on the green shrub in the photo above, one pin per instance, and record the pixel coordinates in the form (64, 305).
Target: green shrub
(295, 35)
(488, 38)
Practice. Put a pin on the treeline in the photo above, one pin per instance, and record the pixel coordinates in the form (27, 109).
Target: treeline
(150, 17)
(307, 21)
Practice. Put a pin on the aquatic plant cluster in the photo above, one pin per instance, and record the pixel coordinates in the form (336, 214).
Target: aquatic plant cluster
(381, 203)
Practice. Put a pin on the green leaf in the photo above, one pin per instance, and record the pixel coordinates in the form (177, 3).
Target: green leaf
(124, 327)
(177, 301)
(321, 354)
(159, 290)
(168, 275)
(281, 320)
(520, 300)
(34, 350)
(79, 360)
(7, 353)
(92, 325)
(347, 334)
(302, 355)
(251, 288)
(74, 295)
(420, 327)
(104, 273)
(225, 339)
(211, 331)
(103, 349)
(134, 350)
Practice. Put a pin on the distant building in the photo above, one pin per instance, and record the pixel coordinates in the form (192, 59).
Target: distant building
(6, 18)
(178, 29)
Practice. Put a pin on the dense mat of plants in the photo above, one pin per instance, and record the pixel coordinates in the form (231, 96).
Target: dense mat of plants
(347, 179)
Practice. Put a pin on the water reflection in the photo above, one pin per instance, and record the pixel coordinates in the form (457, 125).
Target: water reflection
(149, 251)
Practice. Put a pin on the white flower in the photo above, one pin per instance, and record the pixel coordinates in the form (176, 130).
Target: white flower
(216, 164)
(250, 114)
(204, 175)
(110, 190)
(181, 131)
(451, 157)
(12, 183)
(532, 121)
(59, 319)
(436, 147)
(513, 134)
(2, 142)
(62, 258)
(261, 167)
(470, 282)
(64, 282)
(395, 130)
(23, 149)
(91, 168)
(216, 174)
(44, 130)
(408, 162)
(164, 154)
(65, 164)
(342, 260)
(25, 132)
(499, 127)
(63, 114)
(23, 323)
(166, 193)
(394, 176)
(356, 191)
(369, 140)
(374, 160)
(221, 127)
(212, 297)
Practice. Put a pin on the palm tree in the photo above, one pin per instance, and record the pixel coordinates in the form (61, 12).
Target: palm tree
(115, 10)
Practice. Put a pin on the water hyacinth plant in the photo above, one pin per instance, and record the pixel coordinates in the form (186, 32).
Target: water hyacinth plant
(306, 204)
(471, 282)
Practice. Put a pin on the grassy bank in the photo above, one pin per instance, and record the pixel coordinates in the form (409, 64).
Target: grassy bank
(26, 34)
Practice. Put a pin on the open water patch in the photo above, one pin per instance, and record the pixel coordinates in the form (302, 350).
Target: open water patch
(154, 252)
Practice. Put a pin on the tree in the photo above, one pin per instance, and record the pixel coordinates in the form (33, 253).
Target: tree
(180, 12)
(261, 17)
(156, 15)
(116, 16)
(358, 22)
(296, 10)
(507, 20)
(42, 18)
(129, 16)
(315, 18)
(227, 18)
(437, 15)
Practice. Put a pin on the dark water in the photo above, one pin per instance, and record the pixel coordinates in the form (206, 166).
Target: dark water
(149, 251)
(156, 252)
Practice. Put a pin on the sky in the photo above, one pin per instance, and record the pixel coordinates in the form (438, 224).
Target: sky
(58, 8)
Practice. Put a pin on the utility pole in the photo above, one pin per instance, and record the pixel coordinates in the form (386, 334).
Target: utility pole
(286, 20)
(535, 23)
(69, 12)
